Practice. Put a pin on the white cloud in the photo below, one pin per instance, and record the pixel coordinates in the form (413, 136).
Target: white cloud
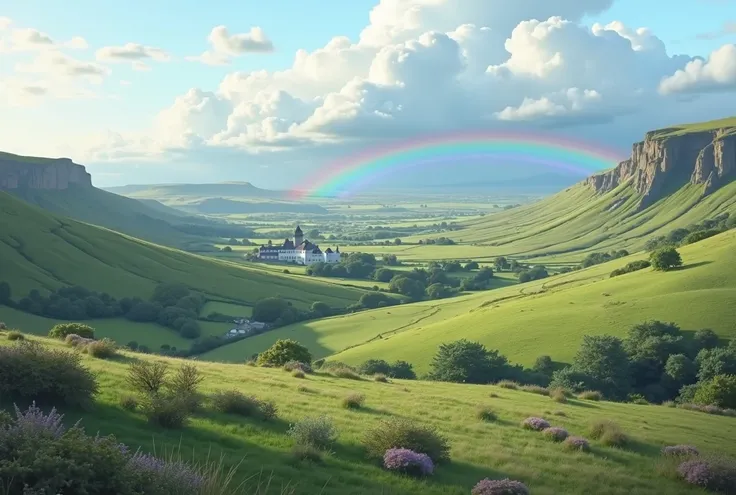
(29, 39)
(56, 64)
(225, 46)
(132, 53)
(24, 91)
(718, 73)
(5, 23)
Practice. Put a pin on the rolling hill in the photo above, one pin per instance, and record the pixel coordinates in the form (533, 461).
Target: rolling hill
(40, 250)
(524, 321)
(223, 189)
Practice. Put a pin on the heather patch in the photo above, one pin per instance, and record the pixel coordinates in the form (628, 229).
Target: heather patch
(401, 433)
(408, 462)
(577, 443)
(555, 433)
(534, 423)
(499, 487)
(680, 451)
(715, 474)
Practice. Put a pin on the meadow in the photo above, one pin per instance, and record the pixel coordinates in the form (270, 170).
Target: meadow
(499, 449)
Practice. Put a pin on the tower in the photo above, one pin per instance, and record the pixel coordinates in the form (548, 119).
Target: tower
(298, 236)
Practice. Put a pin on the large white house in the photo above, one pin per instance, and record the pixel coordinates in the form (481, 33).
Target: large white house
(299, 251)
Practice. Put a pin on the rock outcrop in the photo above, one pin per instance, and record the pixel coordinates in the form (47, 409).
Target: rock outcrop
(663, 163)
(18, 172)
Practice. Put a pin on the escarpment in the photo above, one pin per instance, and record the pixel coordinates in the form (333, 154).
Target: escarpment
(18, 172)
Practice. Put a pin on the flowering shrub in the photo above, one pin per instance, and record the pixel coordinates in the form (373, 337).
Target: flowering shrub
(401, 433)
(167, 476)
(30, 371)
(555, 433)
(680, 451)
(74, 340)
(577, 443)
(499, 487)
(318, 432)
(408, 462)
(534, 423)
(298, 365)
(718, 475)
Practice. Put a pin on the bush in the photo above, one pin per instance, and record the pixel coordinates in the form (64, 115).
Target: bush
(74, 340)
(297, 365)
(102, 349)
(590, 395)
(508, 384)
(166, 410)
(485, 413)
(499, 487)
(708, 409)
(558, 395)
(719, 391)
(576, 443)
(555, 433)
(374, 366)
(353, 401)
(30, 371)
(716, 474)
(318, 432)
(608, 433)
(298, 374)
(407, 461)
(235, 402)
(345, 372)
(402, 371)
(665, 259)
(129, 402)
(16, 335)
(535, 389)
(306, 453)
(680, 451)
(403, 433)
(463, 361)
(283, 351)
(185, 386)
(534, 423)
(61, 330)
(380, 377)
(147, 377)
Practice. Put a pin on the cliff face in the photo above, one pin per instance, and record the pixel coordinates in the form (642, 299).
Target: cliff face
(660, 165)
(21, 173)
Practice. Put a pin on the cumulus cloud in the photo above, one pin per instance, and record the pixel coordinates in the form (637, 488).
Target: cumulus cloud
(59, 65)
(131, 53)
(29, 39)
(225, 46)
(717, 73)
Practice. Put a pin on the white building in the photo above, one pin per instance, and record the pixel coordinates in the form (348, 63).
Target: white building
(299, 251)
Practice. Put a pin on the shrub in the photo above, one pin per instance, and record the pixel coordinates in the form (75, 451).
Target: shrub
(166, 410)
(283, 351)
(577, 443)
(669, 403)
(403, 433)
(297, 365)
(608, 433)
(147, 377)
(708, 409)
(499, 487)
(507, 384)
(665, 259)
(74, 340)
(345, 372)
(485, 413)
(30, 371)
(380, 377)
(464, 361)
(3, 326)
(534, 423)
(373, 366)
(298, 374)
(408, 462)
(61, 330)
(555, 433)
(306, 453)
(185, 386)
(403, 371)
(15, 335)
(318, 432)
(235, 402)
(353, 401)
(102, 349)
(719, 391)
(716, 474)
(558, 395)
(535, 389)
(590, 395)
(129, 402)
(680, 451)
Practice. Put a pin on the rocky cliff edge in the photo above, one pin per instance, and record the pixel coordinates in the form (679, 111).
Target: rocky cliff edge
(18, 172)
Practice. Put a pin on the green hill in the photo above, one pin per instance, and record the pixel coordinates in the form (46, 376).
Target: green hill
(41, 251)
(527, 320)
(223, 189)
(261, 451)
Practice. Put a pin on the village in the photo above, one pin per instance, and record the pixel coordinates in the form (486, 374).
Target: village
(245, 327)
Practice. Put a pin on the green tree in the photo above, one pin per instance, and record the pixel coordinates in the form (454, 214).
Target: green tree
(604, 359)
(407, 286)
(61, 330)
(501, 263)
(464, 361)
(5, 293)
(227, 249)
(437, 291)
(403, 370)
(283, 351)
(484, 275)
(718, 361)
(168, 294)
(705, 339)
(472, 265)
(543, 364)
(270, 309)
(375, 366)
(718, 391)
(681, 369)
(373, 300)
(665, 259)
(397, 242)
(383, 275)
(321, 308)
(189, 329)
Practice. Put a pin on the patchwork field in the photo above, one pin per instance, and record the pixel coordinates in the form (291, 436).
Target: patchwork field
(260, 450)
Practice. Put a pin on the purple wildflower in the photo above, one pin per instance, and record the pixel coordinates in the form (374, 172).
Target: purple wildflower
(555, 433)
(35, 422)
(577, 443)
(499, 487)
(177, 476)
(680, 451)
(716, 474)
(533, 423)
(409, 462)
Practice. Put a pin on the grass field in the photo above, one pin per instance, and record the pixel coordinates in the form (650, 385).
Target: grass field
(225, 309)
(479, 450)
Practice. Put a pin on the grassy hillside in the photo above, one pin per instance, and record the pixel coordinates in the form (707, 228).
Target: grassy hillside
(44, 251)
(478, 450)
(524, 321)
(226, 189)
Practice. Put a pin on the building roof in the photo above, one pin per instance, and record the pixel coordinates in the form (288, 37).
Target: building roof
(298, 230)
(328, 251)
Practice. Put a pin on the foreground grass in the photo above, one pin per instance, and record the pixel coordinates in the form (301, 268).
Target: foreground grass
(479, 449)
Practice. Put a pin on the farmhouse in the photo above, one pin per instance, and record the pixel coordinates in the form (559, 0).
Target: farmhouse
(299, 251)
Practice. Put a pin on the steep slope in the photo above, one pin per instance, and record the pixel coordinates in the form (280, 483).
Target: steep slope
(40, 250)
(551, 316)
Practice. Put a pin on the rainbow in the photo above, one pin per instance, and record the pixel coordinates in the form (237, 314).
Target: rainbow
(347, 175)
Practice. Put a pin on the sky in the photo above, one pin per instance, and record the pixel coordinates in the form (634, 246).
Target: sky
(273, 92)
